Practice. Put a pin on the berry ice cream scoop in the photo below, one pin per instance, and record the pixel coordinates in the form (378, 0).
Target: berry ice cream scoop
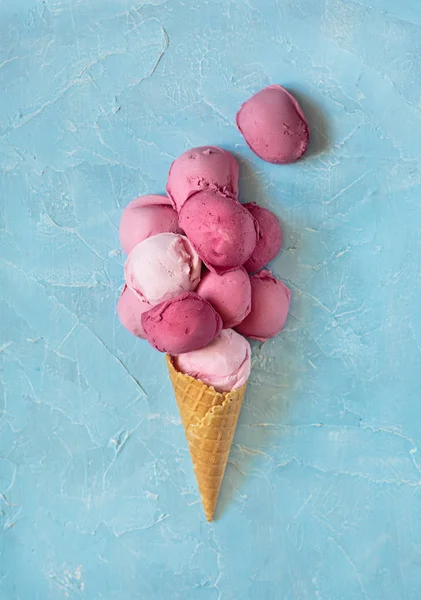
(144, 217)
(203, 168)
(224, 363)
(229, 294)
(130, 308)
(274, 126)
(162, 267)
(221, 230)
(270, 238)
(182, 324)
(270, 300)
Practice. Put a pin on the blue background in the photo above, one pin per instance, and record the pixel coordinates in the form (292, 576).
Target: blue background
(321, 498)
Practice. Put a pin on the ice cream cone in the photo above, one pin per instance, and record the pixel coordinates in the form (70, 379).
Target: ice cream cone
(209, 419)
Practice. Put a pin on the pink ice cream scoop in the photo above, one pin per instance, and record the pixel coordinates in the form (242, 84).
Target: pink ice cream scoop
(162, 267)
(130, 308)
(182, 324)
(229, 294)
(144, 217)
(270, 238)
(270, 300)
(204, 168)
(274, 126)
(224, 363)
(222, 231)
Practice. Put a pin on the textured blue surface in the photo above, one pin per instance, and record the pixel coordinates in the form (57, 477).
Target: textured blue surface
(322, 497)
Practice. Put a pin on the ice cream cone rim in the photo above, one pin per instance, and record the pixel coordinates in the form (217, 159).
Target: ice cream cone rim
(191, 379)
(170, 360)
(223, 398)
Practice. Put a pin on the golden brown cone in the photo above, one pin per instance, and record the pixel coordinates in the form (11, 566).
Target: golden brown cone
(209, 419)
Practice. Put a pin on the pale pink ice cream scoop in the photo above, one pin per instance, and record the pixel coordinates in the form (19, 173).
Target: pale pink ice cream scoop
(204, 168)
(224, 363)
(162, 267)
(229, 294)
(130, 308)
(144, 217)
(222, 231)
(274, 126)
(270, 300)
(182, 324)
(270, 238)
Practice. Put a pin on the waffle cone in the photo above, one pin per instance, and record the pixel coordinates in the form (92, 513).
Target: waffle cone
(209, 419)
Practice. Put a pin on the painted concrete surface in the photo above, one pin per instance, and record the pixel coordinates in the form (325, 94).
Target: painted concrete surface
(322, 494)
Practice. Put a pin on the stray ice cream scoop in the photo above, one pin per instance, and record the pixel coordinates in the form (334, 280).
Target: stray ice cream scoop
(270, 300)
(144, 217)
(130, 308)
(229, 294)
(274, 126)
(222, 231)
(204, 168)
(182, 324)
(162, 267)
(224, 363)
(270, 238)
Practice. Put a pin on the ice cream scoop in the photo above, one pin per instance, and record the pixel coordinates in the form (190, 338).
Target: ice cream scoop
(270, 300)
(224, 363)
(182, 324)
(269, 241)
(204, 168)
(229, 294)
(274, 126)
(144, 217)
(162, 267)
(222, 231)
(130, 308)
